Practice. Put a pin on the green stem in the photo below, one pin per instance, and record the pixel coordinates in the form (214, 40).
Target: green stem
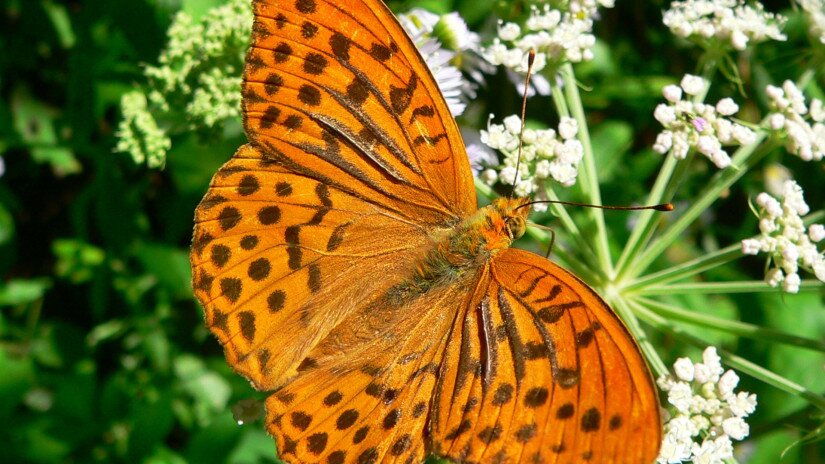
(645, 225)
(743, 329)
(589, 179)
(707, 288)
(632, 323)
(736, 362)
(687, 269)
(721, 181)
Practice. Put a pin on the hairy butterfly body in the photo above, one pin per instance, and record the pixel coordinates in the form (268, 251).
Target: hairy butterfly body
(343, 264)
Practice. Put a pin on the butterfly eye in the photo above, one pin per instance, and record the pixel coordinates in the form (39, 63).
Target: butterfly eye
(517, 226)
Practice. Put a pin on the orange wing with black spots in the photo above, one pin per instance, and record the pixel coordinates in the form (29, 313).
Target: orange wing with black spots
(542, 370)
(337, 91)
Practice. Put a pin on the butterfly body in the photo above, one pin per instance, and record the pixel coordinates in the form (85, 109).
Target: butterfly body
(465, 248)
(343, 264)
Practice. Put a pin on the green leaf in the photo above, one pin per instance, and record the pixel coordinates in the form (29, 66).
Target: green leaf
(34, 122)
(169, 265)
(18, 377)
(611, 140)
(254, 447)
(18, 291)
(76, 260)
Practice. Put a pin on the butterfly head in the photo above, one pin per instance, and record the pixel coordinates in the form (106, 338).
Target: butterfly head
(506, 221)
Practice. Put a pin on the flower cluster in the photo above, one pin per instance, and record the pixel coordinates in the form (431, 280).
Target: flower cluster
(801, 124)
(815, 11)
(556, 36)
(784, 237)
(726, 23)
(705, 412)
(449, 47)
(544, 155)
(197, 79)
(138, 132)
(701, 126)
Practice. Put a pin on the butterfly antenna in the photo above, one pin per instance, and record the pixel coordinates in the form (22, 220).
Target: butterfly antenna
(659, 207)
(531, 57)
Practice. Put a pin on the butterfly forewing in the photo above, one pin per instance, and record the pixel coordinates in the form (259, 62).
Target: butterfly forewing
(337, 91)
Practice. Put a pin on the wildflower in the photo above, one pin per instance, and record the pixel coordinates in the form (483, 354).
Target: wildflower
(723, 23)
(449, 47)
(138, 132)
(556, 36)
(815, 12)
(785, 239)
(802, 125)
(693, 124)
(545, 155)
(706, 412)
(197, 79)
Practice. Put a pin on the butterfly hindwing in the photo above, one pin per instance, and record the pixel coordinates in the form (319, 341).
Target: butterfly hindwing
(366, 395)
(274, 256)
(541, 370)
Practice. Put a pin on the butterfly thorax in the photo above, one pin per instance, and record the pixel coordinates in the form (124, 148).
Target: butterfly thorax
(466, 247)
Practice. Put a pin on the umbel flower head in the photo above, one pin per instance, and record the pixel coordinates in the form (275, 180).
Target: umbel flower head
(197, 80)
(545, 155)
(556, 35)
(723, 23)
(815, 12)
(801, 125)
(706, 128)
(706, 414)
(784, 237)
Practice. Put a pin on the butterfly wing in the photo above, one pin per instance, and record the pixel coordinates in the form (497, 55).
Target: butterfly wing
(365, 396)
(354, 162)
(542, 370)
(338, 92)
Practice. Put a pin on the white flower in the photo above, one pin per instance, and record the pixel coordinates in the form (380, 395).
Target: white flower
(546, 154)
(727, 107)
(672, 93)
(816, 232)
(705, 412)
(693, 85)
(556, 36)
(785, 239)
(683, 367)
(508, 31)
(797, 122)
(694, 124)
(568, 127)
(723, 23)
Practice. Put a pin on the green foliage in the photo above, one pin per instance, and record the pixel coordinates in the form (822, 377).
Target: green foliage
(103, 352)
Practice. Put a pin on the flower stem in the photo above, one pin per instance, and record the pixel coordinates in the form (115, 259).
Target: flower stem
(644, 227)
(743, 329)
(620, 305)
(721, 181)
(687, 269)
(736, 362)
(706, 288)
(590, 180)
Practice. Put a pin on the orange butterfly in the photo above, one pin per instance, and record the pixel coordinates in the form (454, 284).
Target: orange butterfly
(343, 263)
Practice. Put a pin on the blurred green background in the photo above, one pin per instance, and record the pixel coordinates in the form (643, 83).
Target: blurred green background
(103, 353)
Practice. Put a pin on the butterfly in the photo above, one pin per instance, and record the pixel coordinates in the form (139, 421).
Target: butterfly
(344, 265)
